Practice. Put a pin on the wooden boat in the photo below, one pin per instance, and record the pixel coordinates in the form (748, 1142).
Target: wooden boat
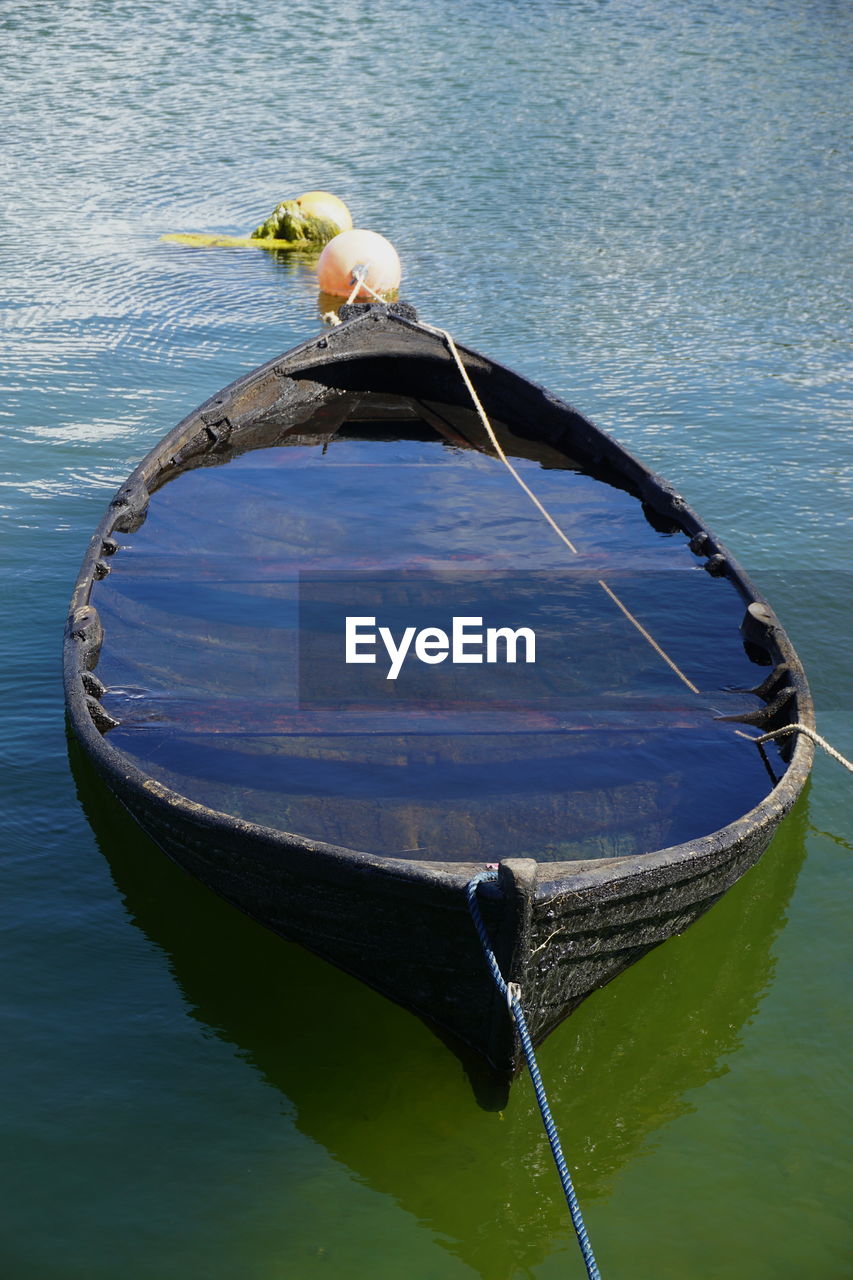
(613, 785)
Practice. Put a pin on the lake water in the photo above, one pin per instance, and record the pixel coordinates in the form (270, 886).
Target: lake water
(642, 207)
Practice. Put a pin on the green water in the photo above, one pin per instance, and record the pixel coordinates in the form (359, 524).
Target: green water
(642, 206)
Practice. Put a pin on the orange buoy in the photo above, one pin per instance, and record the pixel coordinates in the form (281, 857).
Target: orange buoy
(322, 204)
(352, 251)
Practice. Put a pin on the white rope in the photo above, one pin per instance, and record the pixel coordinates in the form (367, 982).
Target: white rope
(359, 274)
(493, 438)
(788, 729)
(644, 633)
(551, 521)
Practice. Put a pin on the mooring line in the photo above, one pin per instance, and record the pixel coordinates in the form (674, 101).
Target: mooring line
(454, 351)
(798, 728)
(359, 281)
(484, 418)
(512, 993)
(646, 636)
(358, 277)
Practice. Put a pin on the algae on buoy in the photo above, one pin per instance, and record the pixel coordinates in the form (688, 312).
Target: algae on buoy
(316, 217)
(322, 204)
(306, 224)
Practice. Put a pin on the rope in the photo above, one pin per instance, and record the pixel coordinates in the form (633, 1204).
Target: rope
(644, 633)
(767, 737)
(512, 992)
(483, 416)
(359, 276)
(788, 729)
(454, 351)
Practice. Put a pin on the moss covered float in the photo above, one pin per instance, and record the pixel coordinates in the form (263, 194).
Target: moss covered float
(315, 217)
(308, 222)
(288, 222)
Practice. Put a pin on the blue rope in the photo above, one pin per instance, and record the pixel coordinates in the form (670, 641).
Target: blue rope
(514, 1003)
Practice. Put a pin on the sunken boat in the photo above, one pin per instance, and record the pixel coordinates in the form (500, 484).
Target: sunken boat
(332, 658)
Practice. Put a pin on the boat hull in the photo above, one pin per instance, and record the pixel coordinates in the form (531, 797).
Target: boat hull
(560, 930)
(405, 929)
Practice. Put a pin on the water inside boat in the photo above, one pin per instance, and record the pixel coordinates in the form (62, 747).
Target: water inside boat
(225, 661)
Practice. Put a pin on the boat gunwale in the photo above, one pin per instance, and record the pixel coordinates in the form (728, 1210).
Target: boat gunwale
(211, 423)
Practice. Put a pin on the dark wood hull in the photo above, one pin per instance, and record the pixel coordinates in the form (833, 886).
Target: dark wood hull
(560, 930)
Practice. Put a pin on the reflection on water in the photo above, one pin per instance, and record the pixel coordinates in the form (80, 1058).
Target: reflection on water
(367, 1081)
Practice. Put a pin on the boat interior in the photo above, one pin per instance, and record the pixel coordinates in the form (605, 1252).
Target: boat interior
(224, 660)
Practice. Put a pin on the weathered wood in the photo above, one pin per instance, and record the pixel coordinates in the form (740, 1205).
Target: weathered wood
(562, 929)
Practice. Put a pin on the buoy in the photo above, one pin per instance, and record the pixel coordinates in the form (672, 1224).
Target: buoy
(306, 223)
(352, 250)
(322, 204)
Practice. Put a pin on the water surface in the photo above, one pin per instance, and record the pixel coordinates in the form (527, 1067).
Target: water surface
(645, 208)
(225, 614)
